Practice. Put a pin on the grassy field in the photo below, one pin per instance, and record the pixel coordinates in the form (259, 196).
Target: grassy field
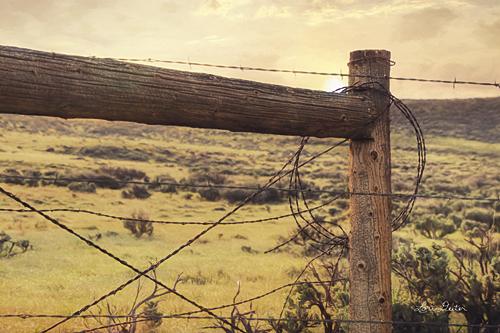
(61, 273)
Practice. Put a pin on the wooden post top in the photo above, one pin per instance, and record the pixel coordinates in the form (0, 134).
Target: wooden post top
(364, 55)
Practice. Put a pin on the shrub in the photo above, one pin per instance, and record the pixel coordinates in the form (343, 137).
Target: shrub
(124, 174)
(451, 188)
(34, 178)
(198, 279)
(157, 185)
(480, 215)
(407, 313)
(248, 249)
(210, 194)
(427, 226)
(112, 152)
(441, 209)
(427, 274)
(435, 226)
(342, 203)
(476, 287)
(446, 227)
(333, 211)
(12, 177)
(10, 247)
(268, 196)
(82, 187)
(238, 236)
(136, 192)
(56, 182)
(424, 271)
(473, 228)
(457, 220)
(398, 242)
(207, 177)
(235, 195)
(105, 181)
(138, 226)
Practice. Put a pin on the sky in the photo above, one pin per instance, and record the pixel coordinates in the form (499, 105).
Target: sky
(444, 39)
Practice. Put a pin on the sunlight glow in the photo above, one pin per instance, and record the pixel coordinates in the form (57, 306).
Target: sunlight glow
(333, 83)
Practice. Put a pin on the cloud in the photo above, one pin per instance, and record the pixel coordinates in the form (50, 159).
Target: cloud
(424, 24)
(273, 11)
(489, 33)
(296, 34)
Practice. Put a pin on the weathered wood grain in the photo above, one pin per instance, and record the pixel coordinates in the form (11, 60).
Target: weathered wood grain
(48, 84)
(370, 238)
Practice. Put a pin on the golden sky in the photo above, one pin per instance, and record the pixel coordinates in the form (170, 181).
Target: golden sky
(432, 39)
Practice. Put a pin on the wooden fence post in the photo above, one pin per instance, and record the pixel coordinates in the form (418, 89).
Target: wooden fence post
(370, 171)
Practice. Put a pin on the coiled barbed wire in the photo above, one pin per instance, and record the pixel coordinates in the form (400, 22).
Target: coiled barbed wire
(296, 199)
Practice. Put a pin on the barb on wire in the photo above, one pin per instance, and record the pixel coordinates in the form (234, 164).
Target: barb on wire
(123, 218)
(294, 71)
(275, 178)
(103, 251)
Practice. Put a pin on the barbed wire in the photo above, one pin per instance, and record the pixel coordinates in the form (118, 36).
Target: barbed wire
(314, 320)
(103, 251)
(123, 218)
(183, 314)
(318, 321)
(296, 196)
(275, 178)
(253, 188)
(294, 71)
(144, 273)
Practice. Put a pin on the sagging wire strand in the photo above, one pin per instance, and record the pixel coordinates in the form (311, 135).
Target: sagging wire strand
(275, 178)
(453, 82)
(312, 230)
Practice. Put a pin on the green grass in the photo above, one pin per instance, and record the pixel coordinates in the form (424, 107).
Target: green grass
(61, 273)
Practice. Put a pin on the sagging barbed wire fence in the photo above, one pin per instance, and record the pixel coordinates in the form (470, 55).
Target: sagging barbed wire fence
(325, 241)
(293, 71)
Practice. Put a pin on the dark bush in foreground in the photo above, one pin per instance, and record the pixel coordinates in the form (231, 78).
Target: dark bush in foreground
(402, 313)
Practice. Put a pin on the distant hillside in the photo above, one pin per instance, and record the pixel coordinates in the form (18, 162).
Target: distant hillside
(476, 119)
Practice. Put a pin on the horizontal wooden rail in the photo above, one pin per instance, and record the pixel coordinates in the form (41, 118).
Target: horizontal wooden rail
(48, 84)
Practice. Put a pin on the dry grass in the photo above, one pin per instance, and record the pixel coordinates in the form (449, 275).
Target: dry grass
(61, 273)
